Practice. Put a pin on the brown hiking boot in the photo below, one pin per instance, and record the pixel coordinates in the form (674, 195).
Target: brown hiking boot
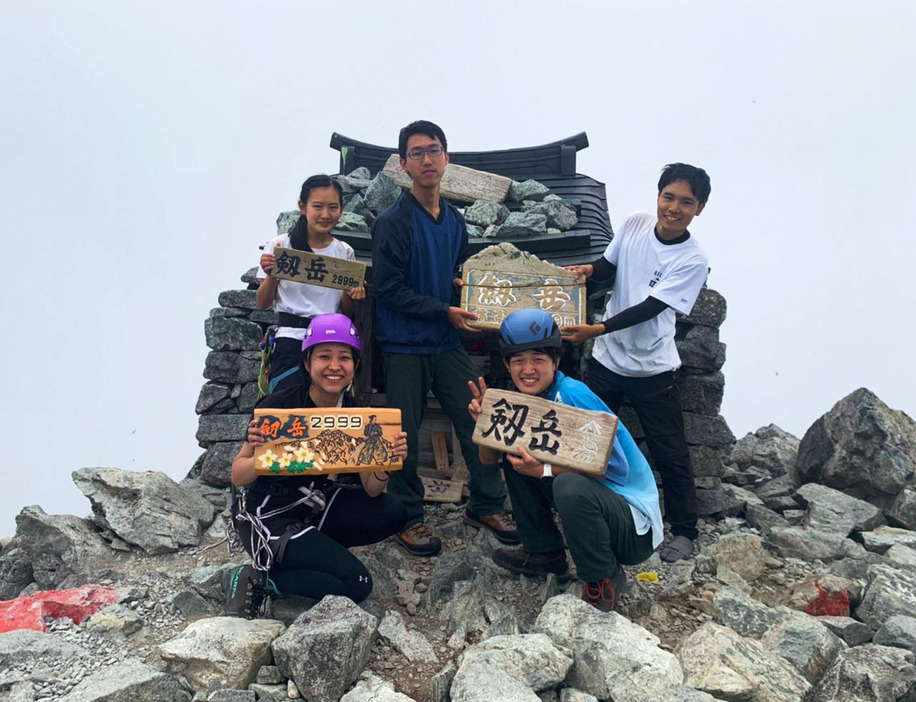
(500, 524)
(418, 540)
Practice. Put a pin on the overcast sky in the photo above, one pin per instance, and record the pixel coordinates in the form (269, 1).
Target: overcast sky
(146, 149)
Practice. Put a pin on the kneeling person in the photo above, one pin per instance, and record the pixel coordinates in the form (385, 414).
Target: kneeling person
(297, 528)
(609, 521)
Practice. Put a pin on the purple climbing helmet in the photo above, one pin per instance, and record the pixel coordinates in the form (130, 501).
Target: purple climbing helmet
(331, 328)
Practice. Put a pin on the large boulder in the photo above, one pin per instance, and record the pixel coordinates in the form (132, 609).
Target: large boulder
(532, 659)
(147, 509)
(128, 681)
(767, 453)
(890, 592)
(869, 673)
(326, 648)
(613, 657)
(862, 447)
(835, 511)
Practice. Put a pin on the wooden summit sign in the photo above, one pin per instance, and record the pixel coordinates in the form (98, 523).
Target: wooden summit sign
(312, 268)
(550, 431)
(458, 183)
(501, 279)
(319, 441)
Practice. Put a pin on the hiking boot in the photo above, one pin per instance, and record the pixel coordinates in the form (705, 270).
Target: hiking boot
(520, 561)
(246, 592)
(418, 540)
(500, 524)
(605, 594)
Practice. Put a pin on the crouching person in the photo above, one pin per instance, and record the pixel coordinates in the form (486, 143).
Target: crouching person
(297, 528)
(610, 521)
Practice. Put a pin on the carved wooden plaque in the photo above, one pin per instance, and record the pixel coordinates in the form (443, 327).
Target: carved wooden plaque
(317, 441)
(458, 182)
(550, 431)
(501, 279)
(438, 487)
(326, 271)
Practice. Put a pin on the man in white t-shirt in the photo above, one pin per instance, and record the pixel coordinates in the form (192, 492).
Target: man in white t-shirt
(660, 270)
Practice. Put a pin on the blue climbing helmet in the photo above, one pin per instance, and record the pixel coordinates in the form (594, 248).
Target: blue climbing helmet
(528, 329)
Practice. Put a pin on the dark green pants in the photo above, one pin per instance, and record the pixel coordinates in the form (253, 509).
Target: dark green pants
(408, 380)
(597, 522)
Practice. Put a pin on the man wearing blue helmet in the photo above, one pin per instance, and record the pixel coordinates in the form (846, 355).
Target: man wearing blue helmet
(609, 521)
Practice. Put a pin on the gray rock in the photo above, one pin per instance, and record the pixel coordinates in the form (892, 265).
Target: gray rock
(357, 205)
(898, 631)
(719, 661)
(803, 641)
(532, 659)
(702, 392)
(382, 193)
(903, 510)
(242, 299)
(374, 689)
(805, 544)
(708, 462)
(220, 652)
(769, 452)
(711, 498)
(737, 500)
(699, 347)
(412, 644)
(217, 466)
(233, 696)
(286, 221)
(853, 632)
(147, 509)
(613, 657)
(709, 310)
(450, 567)
(440, 683)
(482, 682)
(352, 222)
(116, 619)
(528, 190)
(742, 613)
(232, 367)
(250, 277)
(560, 215)
(707, 431)
(522, 224)
(484, 213)
(270, 693)
(901, 555)
(889, 592)
(763, 518)
(247, 398)
(225, 427)
(127, 681)
(684, 693)
(37, 651)
(361, 173)
(265, 317)
(228, 312)
(326, 648)
(270, 675)
(862, 447)
(211, 394)
(834, 511)
(777, 493)
(15, 573)
(288, 609)
(882, 538)
(231, 334)
(743, 553)
(57, 546)
(191, 604)
(869, 673)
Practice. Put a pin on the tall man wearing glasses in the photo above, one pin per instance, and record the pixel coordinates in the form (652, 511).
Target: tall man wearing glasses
(418, 246)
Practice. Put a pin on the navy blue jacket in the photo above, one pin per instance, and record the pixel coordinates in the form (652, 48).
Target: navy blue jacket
(415, 260)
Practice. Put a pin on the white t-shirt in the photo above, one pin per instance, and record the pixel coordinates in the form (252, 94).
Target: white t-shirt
(671, 273)
(303, 299)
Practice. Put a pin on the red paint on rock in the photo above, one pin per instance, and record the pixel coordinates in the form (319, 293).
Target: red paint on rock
(77, 604)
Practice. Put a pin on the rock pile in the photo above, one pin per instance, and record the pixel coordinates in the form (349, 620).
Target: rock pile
(730, 624)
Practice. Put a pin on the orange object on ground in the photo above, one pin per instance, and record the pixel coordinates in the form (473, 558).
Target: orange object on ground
(828, 604)
(77, 604)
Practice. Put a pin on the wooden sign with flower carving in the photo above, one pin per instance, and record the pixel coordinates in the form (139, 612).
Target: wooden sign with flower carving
(320, 441)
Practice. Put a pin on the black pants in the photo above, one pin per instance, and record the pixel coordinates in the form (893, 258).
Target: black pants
(286, 356)
(657, 401)
(316, 561)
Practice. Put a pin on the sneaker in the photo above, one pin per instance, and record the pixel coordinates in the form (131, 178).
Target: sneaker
(418, 540)
(500, 524)
(246, 592)
(605, 594)
(520, 561)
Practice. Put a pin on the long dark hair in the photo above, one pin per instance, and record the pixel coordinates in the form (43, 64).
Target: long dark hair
(299, 235)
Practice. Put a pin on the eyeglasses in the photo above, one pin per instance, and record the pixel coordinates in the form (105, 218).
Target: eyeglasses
(432, 152)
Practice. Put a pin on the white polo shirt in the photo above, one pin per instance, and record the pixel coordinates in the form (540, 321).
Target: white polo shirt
(671, 273)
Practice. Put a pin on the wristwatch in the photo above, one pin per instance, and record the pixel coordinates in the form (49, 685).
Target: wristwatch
(548, 470)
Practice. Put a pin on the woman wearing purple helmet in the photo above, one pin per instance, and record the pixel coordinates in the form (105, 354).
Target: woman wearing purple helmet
(297, 528)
